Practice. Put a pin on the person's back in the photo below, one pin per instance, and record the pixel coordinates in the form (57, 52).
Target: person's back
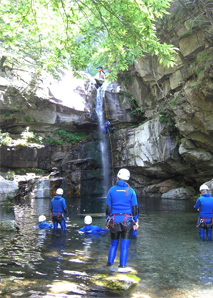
(121, 214)
(57, 205)
(59, 209)
(204, 205)
(121, 198)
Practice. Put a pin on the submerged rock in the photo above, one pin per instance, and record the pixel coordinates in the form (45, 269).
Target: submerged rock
(8, 225)
(116, 283)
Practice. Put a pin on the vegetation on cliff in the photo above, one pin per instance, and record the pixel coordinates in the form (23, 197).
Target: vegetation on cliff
(43, 34)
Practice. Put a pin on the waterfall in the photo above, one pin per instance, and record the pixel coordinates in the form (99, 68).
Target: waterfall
(104, 141)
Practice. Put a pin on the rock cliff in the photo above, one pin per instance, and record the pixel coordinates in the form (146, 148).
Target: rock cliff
(171, 109)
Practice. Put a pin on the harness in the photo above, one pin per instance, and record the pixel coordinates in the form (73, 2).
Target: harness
(59, 215)
(203, 224)
(112, 217)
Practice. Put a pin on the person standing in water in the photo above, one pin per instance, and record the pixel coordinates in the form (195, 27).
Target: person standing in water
(121, 213)
(59, 209)
(204, 205)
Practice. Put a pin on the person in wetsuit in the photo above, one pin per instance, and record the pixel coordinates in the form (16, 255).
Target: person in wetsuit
(59, 209)
(204, 205)
(121, 214)
(101, 72)
(91, 229)
(107, 127)
(42, 224)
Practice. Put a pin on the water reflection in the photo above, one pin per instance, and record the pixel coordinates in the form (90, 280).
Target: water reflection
(168, 254)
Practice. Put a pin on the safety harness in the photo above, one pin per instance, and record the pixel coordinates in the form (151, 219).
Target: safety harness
(112, 218)
(58, 217)
(202, 223)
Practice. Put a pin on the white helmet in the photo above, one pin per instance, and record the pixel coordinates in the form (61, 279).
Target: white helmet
(124, 174)
(88, 220)
(59, 191)
(204, 187)
(41, 218)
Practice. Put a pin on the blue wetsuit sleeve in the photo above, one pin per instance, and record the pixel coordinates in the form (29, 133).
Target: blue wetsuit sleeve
(65, 208)
(197, 204)
(81, 230)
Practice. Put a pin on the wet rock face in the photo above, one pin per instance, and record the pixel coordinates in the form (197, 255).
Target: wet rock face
(9, 225)
(22, 106)
(162, 118)
(39, 110)
(173, 142)
(8, 189)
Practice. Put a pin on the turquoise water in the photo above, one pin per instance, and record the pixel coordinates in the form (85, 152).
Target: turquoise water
(168, 256)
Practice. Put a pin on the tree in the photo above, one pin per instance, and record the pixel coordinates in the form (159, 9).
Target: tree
(46, 34)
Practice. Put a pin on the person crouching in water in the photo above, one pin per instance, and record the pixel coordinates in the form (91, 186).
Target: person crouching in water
(58, 209)
(121, 213)
(43, 224)
(89, 228)
(204, 205)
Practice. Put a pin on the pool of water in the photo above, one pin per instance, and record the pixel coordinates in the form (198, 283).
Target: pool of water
(168, 256)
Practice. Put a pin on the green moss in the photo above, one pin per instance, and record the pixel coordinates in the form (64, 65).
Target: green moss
(134, 277)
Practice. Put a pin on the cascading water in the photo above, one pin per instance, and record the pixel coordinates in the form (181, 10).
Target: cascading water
(104, 141)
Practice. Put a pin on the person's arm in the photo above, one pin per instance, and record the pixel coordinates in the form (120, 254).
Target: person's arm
(65, 209)
(108, 209)
(197, 204)
(135, 210)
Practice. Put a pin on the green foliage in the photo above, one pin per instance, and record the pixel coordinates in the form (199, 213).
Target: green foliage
(39, 171)
(28, 119)
(5, 138)
(173, 101)
(10, 175)
(7, 114)
(136, 112)
(52, 141)
(21, 171)
(132, 100)
(165, 117)
(62, 136)
(203, 57)
(45, 34)
(72, 137)
(27, 137)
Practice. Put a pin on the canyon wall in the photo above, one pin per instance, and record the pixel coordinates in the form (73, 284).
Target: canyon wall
(162, 118)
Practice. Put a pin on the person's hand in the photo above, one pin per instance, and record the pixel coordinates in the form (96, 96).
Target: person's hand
(68, 218)
(135, 226)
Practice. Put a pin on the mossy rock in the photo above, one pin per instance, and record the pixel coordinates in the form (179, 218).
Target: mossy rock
(117, 283)
(9, 225)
